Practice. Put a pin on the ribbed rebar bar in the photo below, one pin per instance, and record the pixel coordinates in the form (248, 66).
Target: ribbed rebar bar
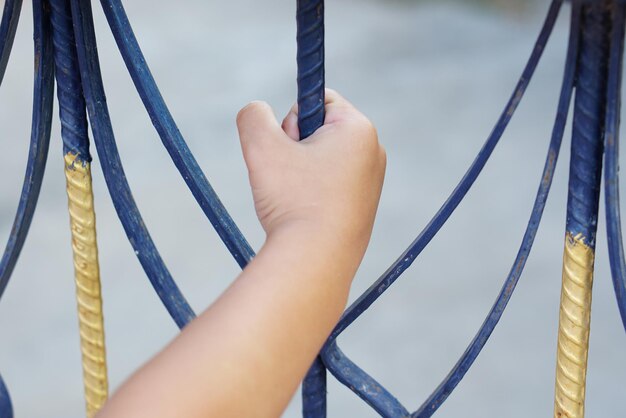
(582, 211)
(73, 117)
(87, 276)
(310, 58)
(311, 83)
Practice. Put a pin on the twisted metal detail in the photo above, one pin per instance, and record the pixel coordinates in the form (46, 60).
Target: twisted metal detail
(582, 211)
(311, 113)
(73, 117)
(113, 171)
(87, 275)
(310, 57)
(574, 321)
(69, 88)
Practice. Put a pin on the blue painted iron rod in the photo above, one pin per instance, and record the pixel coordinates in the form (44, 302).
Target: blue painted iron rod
(314, 390)
(588, 125)
(39, 139)
(611, 161)
(170, 135)
(122, 198)
(72, 111)
(363, 384)
(6, 407)
(8, 26)
(464, 363)
(416, 247)
(310, 59)
(585, 177)
(310, 78)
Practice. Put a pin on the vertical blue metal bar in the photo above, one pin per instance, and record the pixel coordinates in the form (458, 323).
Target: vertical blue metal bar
(6, 407)
(171, 136)
(588, 126)
(310, 60)
(611, 160)
(72, 110)
(582, 209)
(113, 170)
(8, 26)
(39, 137)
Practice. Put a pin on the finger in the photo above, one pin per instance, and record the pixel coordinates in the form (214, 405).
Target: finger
(339, 109)
(331, 97)
(290, 123)
(257, 126)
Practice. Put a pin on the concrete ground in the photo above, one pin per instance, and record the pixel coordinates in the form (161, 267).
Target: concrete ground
(433, 76)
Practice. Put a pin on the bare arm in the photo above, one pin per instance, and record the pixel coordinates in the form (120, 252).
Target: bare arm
(246, 354)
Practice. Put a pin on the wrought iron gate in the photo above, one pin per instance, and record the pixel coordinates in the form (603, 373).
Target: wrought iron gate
(65, 52)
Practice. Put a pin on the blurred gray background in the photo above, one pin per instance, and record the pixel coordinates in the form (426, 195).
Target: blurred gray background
(433, 76)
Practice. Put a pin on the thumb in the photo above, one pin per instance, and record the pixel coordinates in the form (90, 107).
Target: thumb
(257, 126)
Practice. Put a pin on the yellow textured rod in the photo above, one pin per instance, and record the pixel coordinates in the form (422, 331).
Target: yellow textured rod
(87, 275)
(574, 320)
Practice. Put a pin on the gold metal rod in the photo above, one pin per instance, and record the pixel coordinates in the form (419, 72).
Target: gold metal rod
(87, 277)
(574, 325)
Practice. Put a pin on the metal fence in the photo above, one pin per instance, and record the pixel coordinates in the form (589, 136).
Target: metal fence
(65, 52)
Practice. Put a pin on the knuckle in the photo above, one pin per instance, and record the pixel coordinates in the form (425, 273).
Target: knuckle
(251, 109)
(368, 131)
(383, 156)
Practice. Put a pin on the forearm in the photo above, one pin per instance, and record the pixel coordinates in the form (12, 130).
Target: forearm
(247, 353)
(316, 200)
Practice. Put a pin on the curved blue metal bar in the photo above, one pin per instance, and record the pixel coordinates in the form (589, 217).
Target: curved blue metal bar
(611, 161)
(104, 139)
(311, 112)
(8, 26)
(6, 407)
(469, 356)
(368, 389)
(416, 247)
(310, 58)
(445, 388)
(407, 258)
(39, 140)
(171, 136)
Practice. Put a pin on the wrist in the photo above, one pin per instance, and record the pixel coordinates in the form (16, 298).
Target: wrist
(316, 246)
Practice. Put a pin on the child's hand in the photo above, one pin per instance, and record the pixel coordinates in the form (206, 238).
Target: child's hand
(316, 200)
(328, 184)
